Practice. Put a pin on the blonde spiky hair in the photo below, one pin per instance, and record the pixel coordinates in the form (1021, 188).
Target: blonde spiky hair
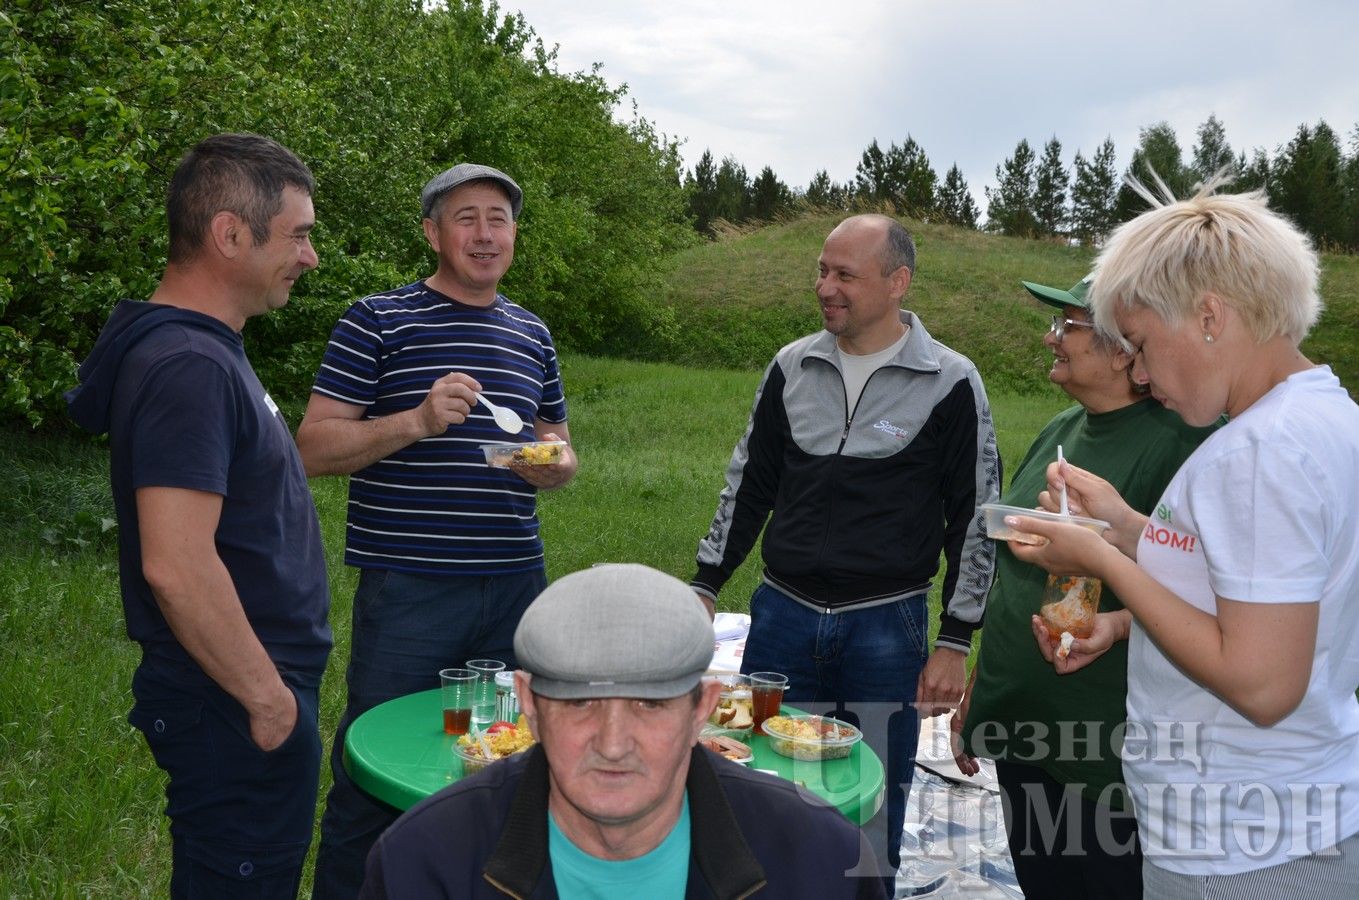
(1230, 245)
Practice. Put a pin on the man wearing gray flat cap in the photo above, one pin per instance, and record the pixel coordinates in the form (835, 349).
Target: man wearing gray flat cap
(616, 799)
(447, 547)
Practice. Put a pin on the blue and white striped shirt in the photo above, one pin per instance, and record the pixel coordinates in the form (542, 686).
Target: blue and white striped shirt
(435, 507)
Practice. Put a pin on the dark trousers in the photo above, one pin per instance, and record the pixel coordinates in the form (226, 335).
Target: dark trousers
(406, 628)
(240, 818)
(1064, 845)
(861, 666)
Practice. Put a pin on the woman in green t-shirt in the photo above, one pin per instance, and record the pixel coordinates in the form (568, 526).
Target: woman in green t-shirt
(1056, 738)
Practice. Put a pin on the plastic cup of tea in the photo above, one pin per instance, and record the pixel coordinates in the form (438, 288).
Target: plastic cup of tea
(457, 688)
(766, 695)
(483, 697)
(1070, 603)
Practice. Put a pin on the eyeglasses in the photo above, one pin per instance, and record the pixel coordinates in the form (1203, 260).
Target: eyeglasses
(1060, 324)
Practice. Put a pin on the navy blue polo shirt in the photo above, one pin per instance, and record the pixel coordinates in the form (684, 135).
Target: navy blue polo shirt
(187, 411)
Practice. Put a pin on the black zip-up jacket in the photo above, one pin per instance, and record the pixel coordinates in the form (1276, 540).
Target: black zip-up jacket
(860, 503)
(751, 835)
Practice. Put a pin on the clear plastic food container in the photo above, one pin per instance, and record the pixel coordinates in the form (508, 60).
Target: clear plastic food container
(720, 740)
(996, 528)
(530, 453)
(811, 737)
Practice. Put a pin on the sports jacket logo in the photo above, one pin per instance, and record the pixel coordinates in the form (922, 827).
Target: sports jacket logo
(900, 433)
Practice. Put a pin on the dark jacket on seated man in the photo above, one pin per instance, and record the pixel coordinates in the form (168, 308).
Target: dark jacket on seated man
(752, 835)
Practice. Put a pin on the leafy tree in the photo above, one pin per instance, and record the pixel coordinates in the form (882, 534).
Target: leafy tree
(1158, 151)
(1307, 184)
(822, 193)
(1094, 193)
(954, 201)
(1009, 207)
(1211, 152)
(97, 103)
(818, 193)
(901, 176)
(768, 195)
(733, 191)
(1049, 194)
(99, 100)
(1252, 175)
(1352, 191)
(871, 179)
(911, 181)
(700, 189)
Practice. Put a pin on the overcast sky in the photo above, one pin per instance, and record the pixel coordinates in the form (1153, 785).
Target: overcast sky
(802, 86)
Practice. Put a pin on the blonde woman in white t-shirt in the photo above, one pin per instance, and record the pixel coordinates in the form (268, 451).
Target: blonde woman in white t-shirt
(1242, 586)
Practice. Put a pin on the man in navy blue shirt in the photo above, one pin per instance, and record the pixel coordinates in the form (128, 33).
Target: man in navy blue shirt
(447, 547)
(222, 571)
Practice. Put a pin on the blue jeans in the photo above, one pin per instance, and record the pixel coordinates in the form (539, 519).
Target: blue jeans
(240, 817)
(407, 628)
(861, 666)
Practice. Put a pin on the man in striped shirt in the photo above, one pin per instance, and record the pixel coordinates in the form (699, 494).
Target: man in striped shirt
(448, 548)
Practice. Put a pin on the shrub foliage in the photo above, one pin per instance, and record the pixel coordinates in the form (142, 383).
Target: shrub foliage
(98, 100)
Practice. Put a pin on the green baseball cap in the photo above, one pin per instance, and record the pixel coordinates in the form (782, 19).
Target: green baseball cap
(1058, 297)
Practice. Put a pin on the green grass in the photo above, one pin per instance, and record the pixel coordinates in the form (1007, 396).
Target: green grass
(81, 800)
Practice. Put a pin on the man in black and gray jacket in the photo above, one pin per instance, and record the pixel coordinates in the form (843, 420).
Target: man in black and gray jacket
(869, 448)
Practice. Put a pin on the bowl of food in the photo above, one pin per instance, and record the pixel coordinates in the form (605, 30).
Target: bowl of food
(994, 519)
(531, 453)
(811, 737)
(503, 738)
(735, 709)
(716, 740)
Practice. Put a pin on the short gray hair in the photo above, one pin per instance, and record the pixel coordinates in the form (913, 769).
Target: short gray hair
(1231, 245)
(898, 249)
(244, 174)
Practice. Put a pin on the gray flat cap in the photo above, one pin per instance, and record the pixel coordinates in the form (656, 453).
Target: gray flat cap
(462, 173)
(619, 630)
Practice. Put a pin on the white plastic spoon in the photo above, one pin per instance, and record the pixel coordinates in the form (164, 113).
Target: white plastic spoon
(1066, 511)
(507, 419)
(480, 736)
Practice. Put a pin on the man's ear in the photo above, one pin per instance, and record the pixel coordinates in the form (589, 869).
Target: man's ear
(900, 282)
(524, 694)
(431, 233)
(229, 235)
(707, 702)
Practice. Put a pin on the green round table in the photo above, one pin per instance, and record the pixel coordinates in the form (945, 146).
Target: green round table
(398, 752)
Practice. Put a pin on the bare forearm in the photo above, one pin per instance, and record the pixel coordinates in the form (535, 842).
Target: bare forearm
(1259, 669)
(198, 598)
(1126, 534)
(200, 604)
(337, 446)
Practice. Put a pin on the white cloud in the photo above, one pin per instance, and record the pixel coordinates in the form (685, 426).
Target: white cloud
(803, 86)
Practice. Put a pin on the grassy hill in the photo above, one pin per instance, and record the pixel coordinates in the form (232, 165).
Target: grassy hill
(735, 301)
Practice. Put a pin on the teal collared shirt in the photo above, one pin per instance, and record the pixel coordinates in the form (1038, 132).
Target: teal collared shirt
(661, 874)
